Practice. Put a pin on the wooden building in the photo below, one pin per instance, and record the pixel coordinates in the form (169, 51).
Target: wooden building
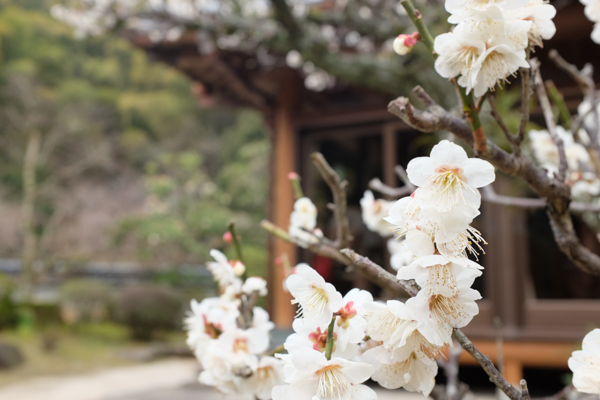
(545, 304)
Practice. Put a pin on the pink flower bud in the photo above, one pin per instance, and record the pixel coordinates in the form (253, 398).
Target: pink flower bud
(293, 176)
(403, 44)
(227, 238)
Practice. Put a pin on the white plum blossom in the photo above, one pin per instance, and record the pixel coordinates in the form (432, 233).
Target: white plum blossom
(592, 11)
(222, 270)
(303, 222)
(448, 177)
(315, 338)
(350, 323)
(207, 320)
(409, 371)
(401, 254)
(585, 364)
(255, 284)
(260, 320)
(229, 335)
(439, 314)
(373, 213)
(540, 13)
(437, 274)
(317, 299)
(546, 151)
(312, 377)
(481, 53)
(267, 374)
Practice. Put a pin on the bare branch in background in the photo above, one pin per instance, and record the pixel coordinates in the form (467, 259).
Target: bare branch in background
(491, 97)
(540, 90)
(395, 193)
(525, 101)
(338, 189)
(401, 172)
(524, 390)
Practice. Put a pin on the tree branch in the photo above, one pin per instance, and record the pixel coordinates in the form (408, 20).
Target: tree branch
(395, 193)
(556, 193)
(540, 90)
(338, 189)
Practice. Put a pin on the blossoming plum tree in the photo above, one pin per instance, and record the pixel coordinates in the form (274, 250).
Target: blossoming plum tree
(339, 342)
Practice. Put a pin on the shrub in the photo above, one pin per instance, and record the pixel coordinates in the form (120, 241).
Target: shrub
(84, 300)
(8, 309)
(146, 309)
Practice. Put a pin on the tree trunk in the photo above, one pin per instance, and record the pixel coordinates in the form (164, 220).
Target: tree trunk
(27, 214)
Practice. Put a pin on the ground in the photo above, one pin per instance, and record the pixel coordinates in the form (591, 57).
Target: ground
(172, 379)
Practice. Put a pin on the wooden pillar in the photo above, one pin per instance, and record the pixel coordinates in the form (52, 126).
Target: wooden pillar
(506, 262)
(282, 199)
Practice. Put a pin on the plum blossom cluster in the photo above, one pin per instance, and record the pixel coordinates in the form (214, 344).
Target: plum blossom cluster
(339, 342)
(585, 364)
(229, 334)
(303, 222)
(581, 175)
(489, 42)
(436, 223)
(321, 361)
(592, 12)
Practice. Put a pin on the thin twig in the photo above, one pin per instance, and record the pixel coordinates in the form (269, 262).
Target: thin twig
(491, 97)
(338, 189)
(525, 100)
(395, 193)
(524, 390)
(401, 172)
(540, 90)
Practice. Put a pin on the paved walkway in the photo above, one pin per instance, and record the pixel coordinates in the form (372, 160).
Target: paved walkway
(161, 380)
(116, 383)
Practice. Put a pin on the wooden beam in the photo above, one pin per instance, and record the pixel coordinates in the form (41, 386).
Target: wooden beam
(282, 198)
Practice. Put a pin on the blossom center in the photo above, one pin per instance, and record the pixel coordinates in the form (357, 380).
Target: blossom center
(319, 339)
(240, 345)
(440, 277)
(332, 382)
(345, 314)
(442, 307)
(212, 330)
(313, 300)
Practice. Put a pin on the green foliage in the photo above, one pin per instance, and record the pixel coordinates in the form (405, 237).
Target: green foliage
(103, 109)
(9, 316)
(146, 309)
(84, 300)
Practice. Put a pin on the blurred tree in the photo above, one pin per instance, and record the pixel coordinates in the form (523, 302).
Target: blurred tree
(78, 115)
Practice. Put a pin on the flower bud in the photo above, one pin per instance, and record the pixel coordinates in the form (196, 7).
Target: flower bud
(293, 175)
(227, 238)
(238, 268)
(403, 44)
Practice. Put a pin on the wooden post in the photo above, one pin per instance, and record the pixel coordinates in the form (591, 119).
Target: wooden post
(282, 198)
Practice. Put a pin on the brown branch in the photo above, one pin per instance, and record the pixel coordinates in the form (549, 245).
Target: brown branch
(383, 277)
(378, 275)
(491, 97)
(487, 365)
(490, 195)
(401, 172)
(525, 101)
(582, 78)
(338, 189)
(524, 390)
(395, 193)
(542, 95)
(555, 192)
